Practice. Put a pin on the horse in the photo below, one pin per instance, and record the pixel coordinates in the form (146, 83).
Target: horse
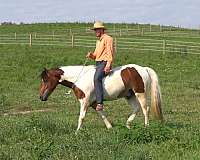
(132, 82)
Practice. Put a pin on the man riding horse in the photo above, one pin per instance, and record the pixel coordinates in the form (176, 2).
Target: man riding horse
(131, 81)
(103, 55)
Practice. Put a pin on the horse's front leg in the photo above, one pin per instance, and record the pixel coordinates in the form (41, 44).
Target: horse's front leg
(103, 116)
(83, 110)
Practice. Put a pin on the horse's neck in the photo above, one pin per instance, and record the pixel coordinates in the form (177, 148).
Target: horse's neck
(72, 73)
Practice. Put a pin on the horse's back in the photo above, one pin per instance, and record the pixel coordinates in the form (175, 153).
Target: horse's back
(142, 71)
(114, 83)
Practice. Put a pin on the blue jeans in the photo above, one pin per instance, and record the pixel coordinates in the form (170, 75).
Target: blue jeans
(98, 76)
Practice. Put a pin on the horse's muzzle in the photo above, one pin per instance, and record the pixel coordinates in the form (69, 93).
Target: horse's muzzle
(43, 98)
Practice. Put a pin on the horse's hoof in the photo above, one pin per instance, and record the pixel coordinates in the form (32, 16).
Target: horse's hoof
(77, 131)
(128, 126)
(109, 126)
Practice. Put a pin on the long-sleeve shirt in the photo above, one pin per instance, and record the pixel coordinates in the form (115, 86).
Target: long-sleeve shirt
(104, 49)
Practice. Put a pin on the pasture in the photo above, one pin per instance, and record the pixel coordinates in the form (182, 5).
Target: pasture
(51, 134)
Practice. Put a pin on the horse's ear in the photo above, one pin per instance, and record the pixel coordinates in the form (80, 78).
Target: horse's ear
(44, 73)
(45, 70)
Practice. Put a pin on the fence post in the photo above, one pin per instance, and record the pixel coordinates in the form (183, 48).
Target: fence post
(164, 46)
(160, 28)
(72, 41)
(199, 30)
(126, 29)
(115, 45)
(30, 40)
(138, 29)
(149, 27)
(142, 32)
(70, 31)
(120, 32)
(114, 29)
(53, 35)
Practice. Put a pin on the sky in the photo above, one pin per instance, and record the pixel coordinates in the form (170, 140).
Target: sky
(184, 13)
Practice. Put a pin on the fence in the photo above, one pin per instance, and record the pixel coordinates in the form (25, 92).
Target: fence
(119, 32)
(135, 29)
(121, 43)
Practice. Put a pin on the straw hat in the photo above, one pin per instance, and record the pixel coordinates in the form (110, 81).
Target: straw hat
(98, 25)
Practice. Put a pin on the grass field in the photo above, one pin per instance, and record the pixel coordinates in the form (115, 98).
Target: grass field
(51, 135)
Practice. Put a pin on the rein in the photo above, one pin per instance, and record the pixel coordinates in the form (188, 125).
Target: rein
(78, 77)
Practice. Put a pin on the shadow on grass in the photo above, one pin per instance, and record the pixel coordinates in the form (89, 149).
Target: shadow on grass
(176, 125)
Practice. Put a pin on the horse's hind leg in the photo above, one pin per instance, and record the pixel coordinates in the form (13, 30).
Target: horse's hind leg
(142, 98)
(133, 102)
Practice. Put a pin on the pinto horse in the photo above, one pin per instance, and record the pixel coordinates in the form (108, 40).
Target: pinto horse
(132, 82)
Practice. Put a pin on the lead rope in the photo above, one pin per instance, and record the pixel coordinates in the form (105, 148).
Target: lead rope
(69, 92)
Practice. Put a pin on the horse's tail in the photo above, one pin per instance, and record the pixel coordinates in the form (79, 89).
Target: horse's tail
(155, 95)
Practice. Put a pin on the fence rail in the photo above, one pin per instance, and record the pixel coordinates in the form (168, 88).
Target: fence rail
(121, 43)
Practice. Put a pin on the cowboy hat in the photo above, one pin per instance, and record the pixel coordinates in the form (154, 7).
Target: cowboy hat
(98, 25)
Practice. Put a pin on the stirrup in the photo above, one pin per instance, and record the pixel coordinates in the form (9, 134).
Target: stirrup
(99, 107)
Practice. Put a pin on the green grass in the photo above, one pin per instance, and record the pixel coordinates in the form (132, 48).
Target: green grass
(51, 135)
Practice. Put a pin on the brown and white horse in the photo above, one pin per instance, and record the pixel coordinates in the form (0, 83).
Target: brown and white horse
(131, 81)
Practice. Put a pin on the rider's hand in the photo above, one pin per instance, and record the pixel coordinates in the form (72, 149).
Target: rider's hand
(107, 68)
(88, 54)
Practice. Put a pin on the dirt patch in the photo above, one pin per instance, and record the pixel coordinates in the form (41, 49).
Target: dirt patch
(27, 112)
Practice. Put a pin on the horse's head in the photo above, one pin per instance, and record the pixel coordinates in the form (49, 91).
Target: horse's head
(49, 81)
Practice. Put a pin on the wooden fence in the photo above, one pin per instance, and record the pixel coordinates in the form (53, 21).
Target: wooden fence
(137, 30)
(121, 43)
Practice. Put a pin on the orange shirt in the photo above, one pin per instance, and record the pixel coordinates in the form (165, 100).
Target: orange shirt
(104, 49)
